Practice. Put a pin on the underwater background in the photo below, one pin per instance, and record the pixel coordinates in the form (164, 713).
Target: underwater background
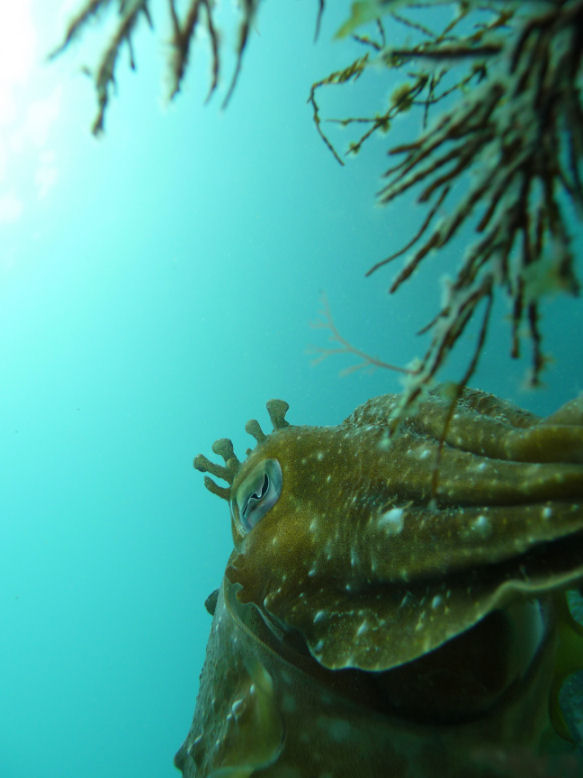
(157, 286)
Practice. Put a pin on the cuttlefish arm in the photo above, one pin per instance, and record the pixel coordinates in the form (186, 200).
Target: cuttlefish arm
(373, 560)
(237, 726)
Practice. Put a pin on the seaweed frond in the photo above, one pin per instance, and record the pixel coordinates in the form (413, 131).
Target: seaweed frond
(515, 140)
(198, 14)
(343, 346)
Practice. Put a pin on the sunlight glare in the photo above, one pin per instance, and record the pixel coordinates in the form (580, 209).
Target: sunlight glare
(17, 54)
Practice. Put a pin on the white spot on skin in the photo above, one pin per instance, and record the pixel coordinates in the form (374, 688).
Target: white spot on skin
(436, 601)
(420, 621)
(320, 456)
(384, 443)
(237, 707)
(362, 629)
(424, 453)
(392, 521)
(482, 526)
(320, 615)
(547, 512)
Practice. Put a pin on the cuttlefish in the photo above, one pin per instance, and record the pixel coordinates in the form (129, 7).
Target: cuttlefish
(400, 599)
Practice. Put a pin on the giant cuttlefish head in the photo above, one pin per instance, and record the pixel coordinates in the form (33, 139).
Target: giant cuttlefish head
(341, 533)
(375, 548)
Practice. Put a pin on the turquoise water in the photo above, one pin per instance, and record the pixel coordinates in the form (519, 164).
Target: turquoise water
(156, 288)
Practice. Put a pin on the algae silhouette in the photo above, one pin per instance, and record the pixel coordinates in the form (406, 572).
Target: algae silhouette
(498, 90)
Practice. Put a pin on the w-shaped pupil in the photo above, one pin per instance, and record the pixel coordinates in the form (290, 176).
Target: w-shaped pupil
(264, 487)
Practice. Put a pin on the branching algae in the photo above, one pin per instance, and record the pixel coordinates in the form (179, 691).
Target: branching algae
(512, 138)
(511, 133)
(198, 14)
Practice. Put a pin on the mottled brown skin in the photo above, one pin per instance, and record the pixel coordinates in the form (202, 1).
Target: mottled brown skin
(415, 576)
(499, 501)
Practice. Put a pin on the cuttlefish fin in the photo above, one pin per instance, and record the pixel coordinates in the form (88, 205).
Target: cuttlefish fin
(569, 660)
(254, 738)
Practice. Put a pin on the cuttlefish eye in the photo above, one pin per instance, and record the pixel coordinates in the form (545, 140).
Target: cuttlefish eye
(257, 494)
